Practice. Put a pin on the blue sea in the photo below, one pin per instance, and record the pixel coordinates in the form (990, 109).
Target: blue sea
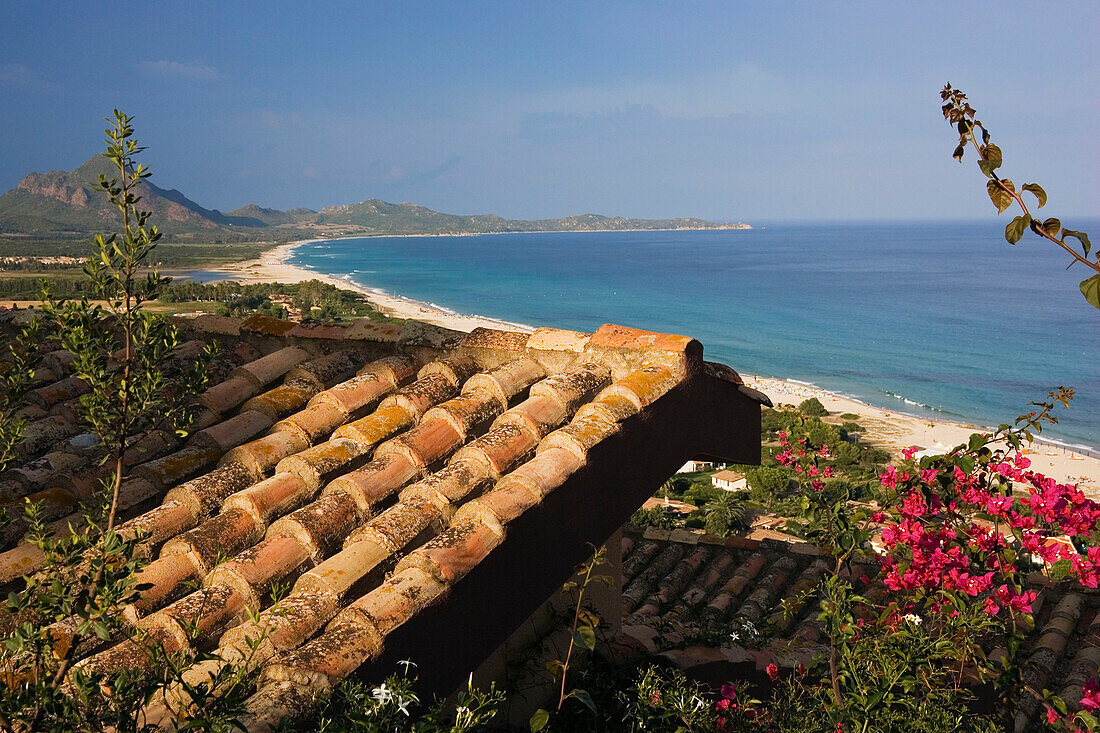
(938, 319)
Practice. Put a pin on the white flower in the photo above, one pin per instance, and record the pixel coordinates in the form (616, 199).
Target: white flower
(699, 704)
(749, 627)
(403, 705)
(913, 619)
(407, 663)
(734, 636)
(382, 694)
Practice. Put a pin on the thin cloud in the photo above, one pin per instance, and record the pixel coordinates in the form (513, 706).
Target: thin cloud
(193, 71)
(18, 75)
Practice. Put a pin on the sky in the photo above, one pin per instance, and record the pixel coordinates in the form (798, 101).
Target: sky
(754, 111)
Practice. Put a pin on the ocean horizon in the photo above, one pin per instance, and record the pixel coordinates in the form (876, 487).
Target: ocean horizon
(940, 320)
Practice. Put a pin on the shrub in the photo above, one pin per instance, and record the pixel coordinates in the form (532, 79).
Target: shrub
(813, 408)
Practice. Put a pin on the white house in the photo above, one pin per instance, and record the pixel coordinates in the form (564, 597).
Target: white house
(729, 480)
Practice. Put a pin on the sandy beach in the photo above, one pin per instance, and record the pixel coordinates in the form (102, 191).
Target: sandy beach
(890, 430)
(272, 267)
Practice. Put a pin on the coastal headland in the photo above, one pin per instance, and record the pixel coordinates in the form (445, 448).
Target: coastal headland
(888, 429)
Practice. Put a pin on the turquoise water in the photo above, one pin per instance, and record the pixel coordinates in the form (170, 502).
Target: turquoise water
(943, 319)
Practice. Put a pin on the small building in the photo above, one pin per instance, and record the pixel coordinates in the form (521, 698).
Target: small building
(729, 480)
(696, 466)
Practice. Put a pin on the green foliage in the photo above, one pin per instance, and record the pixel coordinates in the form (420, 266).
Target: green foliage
(657, 517)
(15, 379)
(1002, 192)
(136, 385)
(310, 299)
(813, 407)
(394, 707)
(724, 515)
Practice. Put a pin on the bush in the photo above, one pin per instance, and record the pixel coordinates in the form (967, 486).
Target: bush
(768, 480)
(657, 517)
(813, 408)
(849, 416)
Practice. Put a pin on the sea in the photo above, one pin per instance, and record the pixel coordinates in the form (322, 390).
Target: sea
(942, 320)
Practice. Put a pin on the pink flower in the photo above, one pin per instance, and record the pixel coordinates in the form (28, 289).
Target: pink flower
(909, 452)
(828, 471)
(772, 671)
(1052, 716)
(1090, 698)
(928, 475)
(729, 692)
(889, 479)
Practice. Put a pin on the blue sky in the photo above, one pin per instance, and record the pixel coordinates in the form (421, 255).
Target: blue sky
(761, 111)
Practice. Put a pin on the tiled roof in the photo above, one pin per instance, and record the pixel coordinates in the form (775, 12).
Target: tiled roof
(678, 590)
(375, 467)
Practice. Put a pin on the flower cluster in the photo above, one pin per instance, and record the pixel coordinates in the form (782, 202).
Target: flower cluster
(804, 458)
(960, 530)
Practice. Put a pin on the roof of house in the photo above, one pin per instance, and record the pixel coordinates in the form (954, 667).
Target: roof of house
(727, 475)
(375, 466)
(678, 591)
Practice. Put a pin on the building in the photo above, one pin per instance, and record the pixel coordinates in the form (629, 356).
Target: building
(729, 480)
(413, 483)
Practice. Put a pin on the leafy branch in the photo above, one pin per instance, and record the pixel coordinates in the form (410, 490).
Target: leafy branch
(1002, 191)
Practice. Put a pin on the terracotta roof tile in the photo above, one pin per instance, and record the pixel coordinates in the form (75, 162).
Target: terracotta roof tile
(367, 330)
(414, 451)
(672, 590)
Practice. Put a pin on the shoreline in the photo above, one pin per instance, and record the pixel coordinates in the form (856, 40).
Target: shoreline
(888, 429)
(272, 267)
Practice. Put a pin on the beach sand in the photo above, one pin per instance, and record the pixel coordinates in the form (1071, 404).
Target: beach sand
(890, 430)
(272, 267)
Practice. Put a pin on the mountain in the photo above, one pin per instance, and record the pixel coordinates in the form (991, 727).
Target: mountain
(61, 203)
(273, 217)
(67, 201)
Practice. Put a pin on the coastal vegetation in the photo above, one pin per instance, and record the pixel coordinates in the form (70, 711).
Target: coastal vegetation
(958, 531)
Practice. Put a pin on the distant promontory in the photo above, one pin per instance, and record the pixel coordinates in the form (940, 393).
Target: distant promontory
(64, 203)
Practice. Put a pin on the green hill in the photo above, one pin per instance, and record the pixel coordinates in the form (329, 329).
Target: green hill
(64, 204)
(380, 217)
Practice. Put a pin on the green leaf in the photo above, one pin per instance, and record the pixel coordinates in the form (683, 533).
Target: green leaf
(1082, 237)
(1001, 198)
(1091, 290)
(1036, 189)
(1016, 228)
(538, 721)
(1052, 226)
(585, 636)
(584, 697)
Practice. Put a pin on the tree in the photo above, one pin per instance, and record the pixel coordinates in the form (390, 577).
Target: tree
(1002, 191)
(124, 355)
(813, 407)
